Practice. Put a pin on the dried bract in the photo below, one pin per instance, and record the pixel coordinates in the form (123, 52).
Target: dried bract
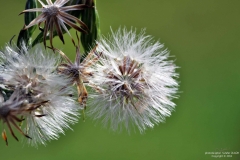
(78, 71)
(55, 16)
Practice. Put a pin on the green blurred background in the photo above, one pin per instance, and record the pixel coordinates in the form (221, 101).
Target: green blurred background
(204, 37)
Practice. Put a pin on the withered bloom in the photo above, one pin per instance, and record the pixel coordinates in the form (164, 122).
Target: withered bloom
(54, 15)
(78, 71)
(39, 95)
(10, 110)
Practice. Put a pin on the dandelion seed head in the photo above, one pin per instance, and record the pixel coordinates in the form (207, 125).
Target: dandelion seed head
(134, 81)
(40, 94)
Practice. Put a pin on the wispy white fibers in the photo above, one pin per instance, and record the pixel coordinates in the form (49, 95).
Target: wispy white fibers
(134, 82)
(48, 108)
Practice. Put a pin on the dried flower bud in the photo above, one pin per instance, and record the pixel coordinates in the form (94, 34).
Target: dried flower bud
(55, 16)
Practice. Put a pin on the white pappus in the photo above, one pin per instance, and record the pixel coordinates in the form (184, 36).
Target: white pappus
(133, 82)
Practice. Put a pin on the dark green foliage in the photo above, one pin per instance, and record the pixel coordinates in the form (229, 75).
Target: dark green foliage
(91, 19)
(25, 35)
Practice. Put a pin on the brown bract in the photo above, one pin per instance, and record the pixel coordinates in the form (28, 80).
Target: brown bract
(54, 16)
(78, 71)
(17, 106)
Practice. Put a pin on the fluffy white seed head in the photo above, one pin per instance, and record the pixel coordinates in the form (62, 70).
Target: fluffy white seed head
(49, 108)
(134, 81)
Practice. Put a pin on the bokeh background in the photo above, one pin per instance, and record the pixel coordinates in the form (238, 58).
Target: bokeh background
(204, 38)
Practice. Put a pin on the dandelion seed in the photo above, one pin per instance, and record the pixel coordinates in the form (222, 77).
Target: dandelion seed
(134, 82)
(40, 95)
(54, 15)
